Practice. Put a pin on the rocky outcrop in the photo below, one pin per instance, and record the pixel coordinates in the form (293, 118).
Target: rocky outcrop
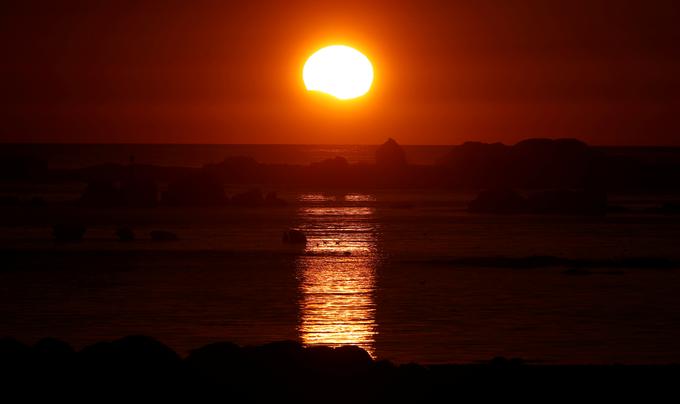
(250, 198)
(390, 155)
(294, 236)
(529, 164)
(195, 190)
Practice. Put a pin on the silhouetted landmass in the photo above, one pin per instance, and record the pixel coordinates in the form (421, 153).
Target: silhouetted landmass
(534, 176)
(196, 189)
(529, 164)
(546, 261)
(141, 367)
(250, 198)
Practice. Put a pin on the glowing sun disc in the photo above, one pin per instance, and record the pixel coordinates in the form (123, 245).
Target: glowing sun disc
(338, 70)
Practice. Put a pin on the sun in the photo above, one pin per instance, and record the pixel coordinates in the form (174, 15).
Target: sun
(338, 70)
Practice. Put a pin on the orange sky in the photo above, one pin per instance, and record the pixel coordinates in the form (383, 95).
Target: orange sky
(446, 72)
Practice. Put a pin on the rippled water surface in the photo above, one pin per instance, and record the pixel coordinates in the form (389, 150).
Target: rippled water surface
(374, 273)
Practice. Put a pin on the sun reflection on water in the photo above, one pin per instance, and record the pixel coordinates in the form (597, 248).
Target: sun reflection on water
(337, 276)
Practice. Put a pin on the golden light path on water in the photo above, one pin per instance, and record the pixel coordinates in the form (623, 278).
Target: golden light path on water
(337, 273)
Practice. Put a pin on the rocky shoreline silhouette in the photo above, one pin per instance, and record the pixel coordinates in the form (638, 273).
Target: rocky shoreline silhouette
(534, 176)
(138, 366)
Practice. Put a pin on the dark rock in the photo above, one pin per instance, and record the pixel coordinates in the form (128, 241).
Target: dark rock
(12, 351)
(163, 235)
(132, 358)
(237, 169)
(214, 356)
(139, 193)
(102, 193)
(529, 164)
(68, 232)
(271, 199)
(390, 155)
(340, 358)
(53, 348)
(125, 234)
(200, 189)
(501, 361)
(251, 198)
(53, 355)
(294, 236)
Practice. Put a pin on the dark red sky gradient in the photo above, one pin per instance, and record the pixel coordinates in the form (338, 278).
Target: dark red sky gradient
(446, 72)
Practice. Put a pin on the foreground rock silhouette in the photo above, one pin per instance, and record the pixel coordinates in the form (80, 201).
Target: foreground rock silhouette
(286, 371)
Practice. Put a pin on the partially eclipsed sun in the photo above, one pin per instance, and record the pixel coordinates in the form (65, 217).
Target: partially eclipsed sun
(338, 70)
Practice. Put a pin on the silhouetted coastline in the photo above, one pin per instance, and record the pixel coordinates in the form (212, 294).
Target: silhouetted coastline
(286, 370)
(529, 164)
(534, 176)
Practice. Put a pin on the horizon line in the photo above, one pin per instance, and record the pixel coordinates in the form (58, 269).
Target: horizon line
(312, 144)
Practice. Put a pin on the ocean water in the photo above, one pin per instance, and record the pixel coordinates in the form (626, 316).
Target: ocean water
(376, 272)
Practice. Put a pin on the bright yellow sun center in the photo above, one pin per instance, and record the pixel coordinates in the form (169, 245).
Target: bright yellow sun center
(338, 70)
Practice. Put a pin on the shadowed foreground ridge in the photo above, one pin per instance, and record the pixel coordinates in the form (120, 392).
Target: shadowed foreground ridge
(287, 370)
